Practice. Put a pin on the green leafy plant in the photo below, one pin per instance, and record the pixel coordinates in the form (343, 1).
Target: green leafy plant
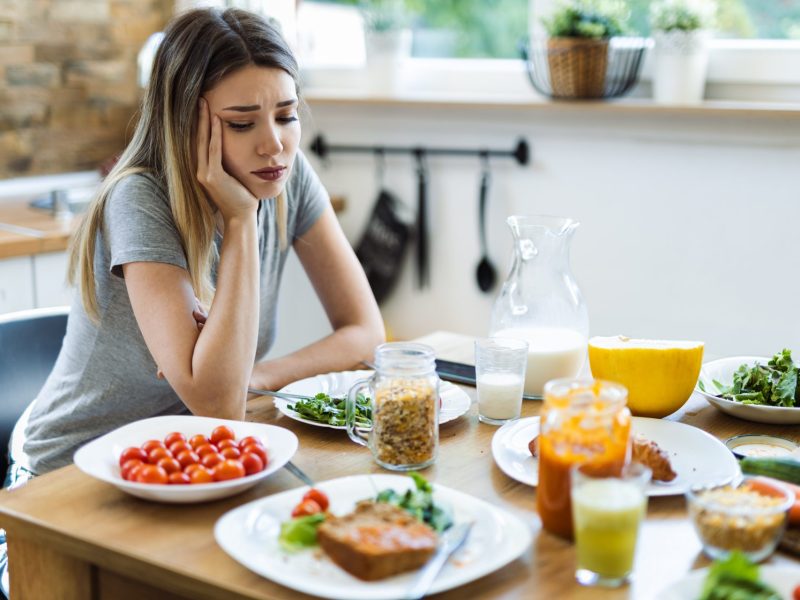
(583, 19)
(383, 15)
(772, 384)
(676, 15)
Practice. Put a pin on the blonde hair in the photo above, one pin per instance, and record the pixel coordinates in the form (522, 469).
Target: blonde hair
(199, 48)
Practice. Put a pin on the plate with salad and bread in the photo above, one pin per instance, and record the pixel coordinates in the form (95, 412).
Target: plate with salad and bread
(331, 540)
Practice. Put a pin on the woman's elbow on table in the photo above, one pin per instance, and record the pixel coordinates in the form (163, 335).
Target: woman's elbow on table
(221, 402)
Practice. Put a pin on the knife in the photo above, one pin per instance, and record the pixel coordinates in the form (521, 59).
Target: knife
(451, 541)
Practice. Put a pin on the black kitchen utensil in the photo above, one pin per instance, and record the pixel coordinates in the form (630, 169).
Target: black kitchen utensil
(423, 269)
(486, 273)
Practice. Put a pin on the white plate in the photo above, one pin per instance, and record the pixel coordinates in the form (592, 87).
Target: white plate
(696, 456)
(455, 401)
(782, 579)
(249, 534)
(722, 370)
(100, 458)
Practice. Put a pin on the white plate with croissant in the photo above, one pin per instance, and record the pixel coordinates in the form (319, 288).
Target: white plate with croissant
(681, 455)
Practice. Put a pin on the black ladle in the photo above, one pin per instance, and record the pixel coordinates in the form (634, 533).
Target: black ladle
(486, 273)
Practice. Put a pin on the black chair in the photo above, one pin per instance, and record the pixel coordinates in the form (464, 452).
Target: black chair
(30, 341)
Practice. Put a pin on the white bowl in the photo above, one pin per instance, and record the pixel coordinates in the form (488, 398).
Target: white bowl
(722, 370)
(100, 458)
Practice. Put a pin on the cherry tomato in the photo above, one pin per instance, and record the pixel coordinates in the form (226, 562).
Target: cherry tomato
(192, 467)
(230, 452)
(187, 457)
(133, 474)
(169, 464)
(257, 449)
(252, 463)
(306, 507)
(201, 475)
(222, 444)
(228, 469)
(178, 447)
(796, 593)
(211, 460)
(156, 454)
(150, 445)
(317, 496)
(179, 478)
(197, 440)
(152, 474)
(130, 453)
(246, 441)
(223, 432)
(175, 436)
(205, 449)
(128, 466)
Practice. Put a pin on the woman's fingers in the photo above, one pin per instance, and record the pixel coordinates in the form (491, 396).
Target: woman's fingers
(202, 138)
(215, 146)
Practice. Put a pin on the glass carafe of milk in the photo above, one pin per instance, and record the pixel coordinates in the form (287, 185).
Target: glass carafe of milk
(540, 301)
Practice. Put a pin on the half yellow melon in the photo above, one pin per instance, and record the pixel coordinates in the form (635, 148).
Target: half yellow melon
(659, 374)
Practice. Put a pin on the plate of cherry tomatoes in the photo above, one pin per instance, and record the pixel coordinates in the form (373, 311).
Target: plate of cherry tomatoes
(184, 459)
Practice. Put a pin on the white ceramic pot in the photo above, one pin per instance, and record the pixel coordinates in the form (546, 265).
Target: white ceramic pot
(386, 53)
(681, 62)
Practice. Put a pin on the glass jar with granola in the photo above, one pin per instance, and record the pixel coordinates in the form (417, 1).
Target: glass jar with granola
(404, 396)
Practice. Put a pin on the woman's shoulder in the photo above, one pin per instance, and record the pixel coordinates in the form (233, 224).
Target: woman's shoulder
(138, 184)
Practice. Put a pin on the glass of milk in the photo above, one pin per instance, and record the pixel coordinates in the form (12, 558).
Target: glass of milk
(606, 513)
(500, 378)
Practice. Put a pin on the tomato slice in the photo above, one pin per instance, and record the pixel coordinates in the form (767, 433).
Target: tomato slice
(305, 508)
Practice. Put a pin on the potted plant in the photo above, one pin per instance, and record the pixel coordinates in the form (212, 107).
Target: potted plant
(577, 49)
(681, 52)
(387, 42)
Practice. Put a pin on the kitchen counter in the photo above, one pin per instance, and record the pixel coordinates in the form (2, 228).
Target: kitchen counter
(25, 230)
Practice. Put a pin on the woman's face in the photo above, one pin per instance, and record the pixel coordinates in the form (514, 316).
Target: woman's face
(260, 129)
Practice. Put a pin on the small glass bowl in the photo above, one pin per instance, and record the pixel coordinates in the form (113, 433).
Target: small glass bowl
(737, 517)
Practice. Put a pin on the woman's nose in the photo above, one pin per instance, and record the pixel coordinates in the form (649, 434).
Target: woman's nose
(270, 143)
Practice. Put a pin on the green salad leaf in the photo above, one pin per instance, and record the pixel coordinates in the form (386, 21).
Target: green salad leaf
(419, 502)
(735, 578)
(323, 408)
(773, 384)
(300, 533)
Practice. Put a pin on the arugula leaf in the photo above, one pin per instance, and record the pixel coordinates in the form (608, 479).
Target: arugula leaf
(773, 384)
(323, 408)
(419, 502)
(735, 578)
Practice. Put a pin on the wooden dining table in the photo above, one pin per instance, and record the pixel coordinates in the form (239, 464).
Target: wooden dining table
(74, 537)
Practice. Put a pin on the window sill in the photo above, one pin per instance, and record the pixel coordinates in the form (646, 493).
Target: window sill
(532, 101)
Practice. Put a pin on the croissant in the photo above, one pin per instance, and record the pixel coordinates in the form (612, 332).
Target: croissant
(645, 451)
(653, 456)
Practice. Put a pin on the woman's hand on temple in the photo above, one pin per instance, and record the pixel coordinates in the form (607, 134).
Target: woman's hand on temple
(228, 194)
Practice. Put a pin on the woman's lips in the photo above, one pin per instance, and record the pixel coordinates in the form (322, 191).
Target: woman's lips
(272, 174)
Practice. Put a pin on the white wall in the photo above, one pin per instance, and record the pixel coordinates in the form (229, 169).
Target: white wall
(689, 222)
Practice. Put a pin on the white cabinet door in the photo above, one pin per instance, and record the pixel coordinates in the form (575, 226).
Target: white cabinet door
(16, 284)
(50, 280)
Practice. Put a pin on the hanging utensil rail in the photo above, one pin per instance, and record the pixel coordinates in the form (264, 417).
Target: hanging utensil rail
(520, 152)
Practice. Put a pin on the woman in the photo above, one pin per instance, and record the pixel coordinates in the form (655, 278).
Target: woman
(203, 203)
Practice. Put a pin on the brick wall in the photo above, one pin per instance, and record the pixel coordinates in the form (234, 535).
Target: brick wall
(68, 88)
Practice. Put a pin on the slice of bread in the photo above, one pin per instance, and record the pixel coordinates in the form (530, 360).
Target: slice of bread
(377, 540)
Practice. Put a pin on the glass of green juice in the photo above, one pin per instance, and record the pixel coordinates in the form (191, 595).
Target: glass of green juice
(606, 513)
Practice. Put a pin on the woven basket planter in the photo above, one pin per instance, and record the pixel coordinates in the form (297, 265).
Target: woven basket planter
(577, 67)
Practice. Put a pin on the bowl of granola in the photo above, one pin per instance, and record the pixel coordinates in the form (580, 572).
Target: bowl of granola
(749, 517)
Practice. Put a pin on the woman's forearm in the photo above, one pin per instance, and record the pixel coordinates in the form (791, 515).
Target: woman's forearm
(344, 349)
(227, 344)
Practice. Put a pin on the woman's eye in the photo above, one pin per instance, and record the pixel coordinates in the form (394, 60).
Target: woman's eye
(287, 119)
(239, 126)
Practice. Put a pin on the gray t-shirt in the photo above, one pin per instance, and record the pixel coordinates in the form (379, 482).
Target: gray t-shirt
(104, 376)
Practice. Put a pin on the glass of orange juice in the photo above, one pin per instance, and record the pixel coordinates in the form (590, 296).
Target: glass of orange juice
(583, 422)
(606, 512)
